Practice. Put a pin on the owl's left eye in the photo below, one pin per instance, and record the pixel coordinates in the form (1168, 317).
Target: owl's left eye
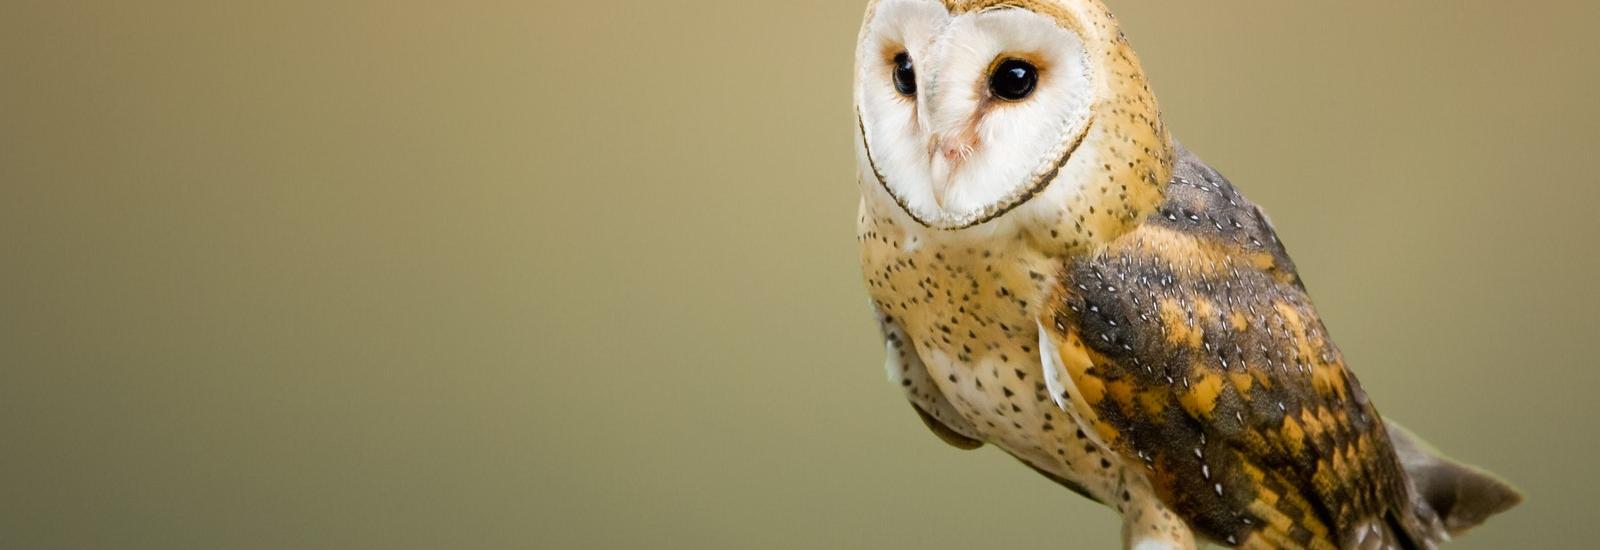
(905, 76)
(1014, 79)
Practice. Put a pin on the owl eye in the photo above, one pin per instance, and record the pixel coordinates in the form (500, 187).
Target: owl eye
(905, 77)
(1014, 79)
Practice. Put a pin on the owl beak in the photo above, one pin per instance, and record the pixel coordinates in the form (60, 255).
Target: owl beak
(946, 154)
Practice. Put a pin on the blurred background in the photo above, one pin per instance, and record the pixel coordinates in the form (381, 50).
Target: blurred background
(401, 274)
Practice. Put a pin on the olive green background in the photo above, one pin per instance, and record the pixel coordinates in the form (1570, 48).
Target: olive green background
(405, 274)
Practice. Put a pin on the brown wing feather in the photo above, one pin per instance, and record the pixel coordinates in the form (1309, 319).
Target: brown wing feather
(1200, 355)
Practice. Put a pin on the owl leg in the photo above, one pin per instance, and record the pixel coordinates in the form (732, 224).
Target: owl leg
(1147, 524)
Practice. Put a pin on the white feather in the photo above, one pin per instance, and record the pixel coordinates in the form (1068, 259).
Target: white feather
(1055, 374)
(892, 364)
(1154, 544)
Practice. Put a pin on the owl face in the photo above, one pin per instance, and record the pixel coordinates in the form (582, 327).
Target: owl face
(966, 114)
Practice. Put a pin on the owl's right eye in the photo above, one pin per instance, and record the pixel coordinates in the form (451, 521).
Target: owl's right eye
(905, 77)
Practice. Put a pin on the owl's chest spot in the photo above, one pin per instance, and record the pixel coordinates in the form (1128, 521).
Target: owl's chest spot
(973, 307)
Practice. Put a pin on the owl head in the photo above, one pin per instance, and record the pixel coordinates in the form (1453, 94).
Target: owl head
(977, 116)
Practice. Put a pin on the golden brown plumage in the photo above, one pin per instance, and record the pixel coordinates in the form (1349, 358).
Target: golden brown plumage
(1107, 308)
(1194, 350)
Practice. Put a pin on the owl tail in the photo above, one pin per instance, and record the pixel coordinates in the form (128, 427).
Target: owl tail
(1447, 494)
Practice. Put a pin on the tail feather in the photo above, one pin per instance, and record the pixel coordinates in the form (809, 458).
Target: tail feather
(1457, 496)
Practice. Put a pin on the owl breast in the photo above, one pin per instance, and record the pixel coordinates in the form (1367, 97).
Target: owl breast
(970, 313)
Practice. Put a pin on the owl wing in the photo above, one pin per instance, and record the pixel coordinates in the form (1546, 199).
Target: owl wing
(1192, 349)
(906, 370)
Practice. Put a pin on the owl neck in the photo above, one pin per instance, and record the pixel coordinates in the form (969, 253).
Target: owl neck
(1117, 179)
(1106, 189)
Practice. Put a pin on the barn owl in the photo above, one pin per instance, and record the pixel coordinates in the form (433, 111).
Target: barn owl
(1055, 276)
